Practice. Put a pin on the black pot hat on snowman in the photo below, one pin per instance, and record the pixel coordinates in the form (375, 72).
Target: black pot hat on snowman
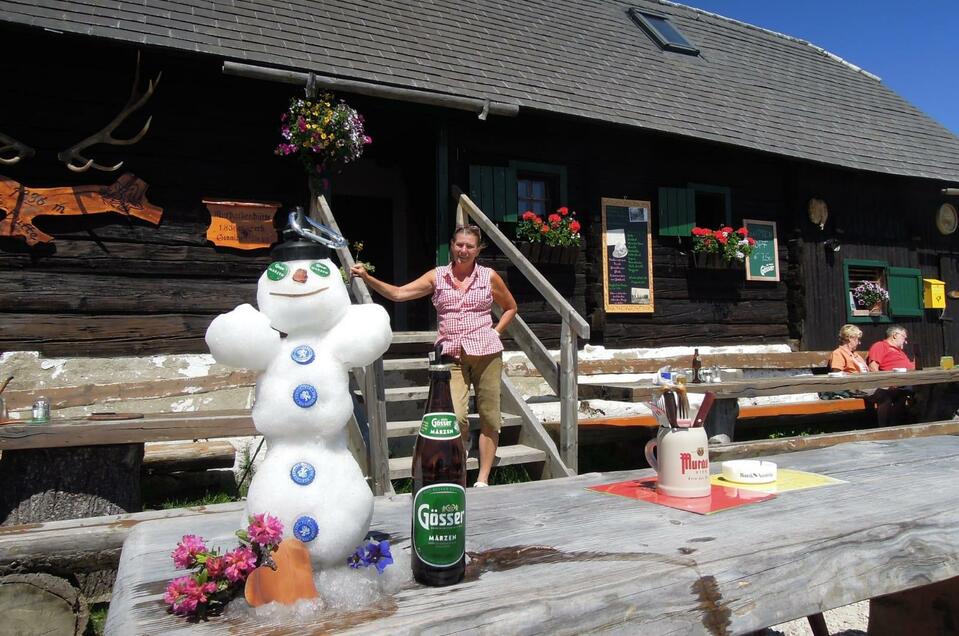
(305, 239)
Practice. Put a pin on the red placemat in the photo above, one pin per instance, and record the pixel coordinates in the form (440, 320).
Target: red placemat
(721, 498)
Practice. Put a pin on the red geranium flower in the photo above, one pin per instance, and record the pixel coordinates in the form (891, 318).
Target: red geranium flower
(529, 215)
(564, 211)
(742, 231)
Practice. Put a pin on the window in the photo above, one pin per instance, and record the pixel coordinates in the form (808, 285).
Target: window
(663, 32)
(697, 204)
(533, 194)
(503, 192)
(904, 285)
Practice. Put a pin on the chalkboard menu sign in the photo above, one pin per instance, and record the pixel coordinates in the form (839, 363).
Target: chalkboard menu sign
(627, 256)
(763, 263)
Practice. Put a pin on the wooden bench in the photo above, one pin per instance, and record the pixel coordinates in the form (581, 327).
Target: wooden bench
(735, 366)
(722, 419)
(600, 562)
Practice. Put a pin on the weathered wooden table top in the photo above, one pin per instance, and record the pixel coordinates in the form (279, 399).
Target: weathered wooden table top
(641, 391)
(553, 557)
(155, 427)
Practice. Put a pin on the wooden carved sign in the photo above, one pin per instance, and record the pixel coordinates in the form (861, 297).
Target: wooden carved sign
(21, 204)
(245, 225)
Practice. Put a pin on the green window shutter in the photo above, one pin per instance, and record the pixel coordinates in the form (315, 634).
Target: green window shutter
(905, 291)
(493, 190)
(677, 211)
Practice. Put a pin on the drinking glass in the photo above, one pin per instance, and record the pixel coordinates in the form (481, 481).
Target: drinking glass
(946, 362)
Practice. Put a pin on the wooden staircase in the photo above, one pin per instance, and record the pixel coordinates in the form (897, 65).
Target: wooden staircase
(393, 389)
(406, 388)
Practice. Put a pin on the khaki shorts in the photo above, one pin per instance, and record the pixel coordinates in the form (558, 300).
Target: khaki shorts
(483, 373)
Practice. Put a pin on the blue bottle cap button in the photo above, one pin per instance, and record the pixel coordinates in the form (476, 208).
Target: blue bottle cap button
(304, 396)
(305, 528)
(302, 473)
(303, 354)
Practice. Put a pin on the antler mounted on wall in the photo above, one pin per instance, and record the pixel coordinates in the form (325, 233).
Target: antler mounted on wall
(9, 143)
(72, 156)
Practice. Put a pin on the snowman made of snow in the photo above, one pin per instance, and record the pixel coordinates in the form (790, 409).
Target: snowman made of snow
(309, 478)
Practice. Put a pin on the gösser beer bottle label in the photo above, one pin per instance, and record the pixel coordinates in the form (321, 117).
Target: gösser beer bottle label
(439, 426)
(439, 524)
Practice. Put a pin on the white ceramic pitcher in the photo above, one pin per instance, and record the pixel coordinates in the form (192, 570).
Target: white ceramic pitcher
(680, 456)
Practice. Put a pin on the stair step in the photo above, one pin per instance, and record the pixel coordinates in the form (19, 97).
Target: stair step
(406, 364)
(401, 467)
(411, 427)
(414, 337)
(405, 393)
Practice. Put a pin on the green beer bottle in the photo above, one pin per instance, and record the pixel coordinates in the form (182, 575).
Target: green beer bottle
(439, 487)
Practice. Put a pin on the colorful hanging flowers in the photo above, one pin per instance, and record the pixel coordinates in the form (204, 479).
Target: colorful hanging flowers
(558, 229)
(322, 132)
(728, 243)
(217, 578)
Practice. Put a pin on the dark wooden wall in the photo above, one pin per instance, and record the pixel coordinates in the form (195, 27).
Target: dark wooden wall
(112, 286)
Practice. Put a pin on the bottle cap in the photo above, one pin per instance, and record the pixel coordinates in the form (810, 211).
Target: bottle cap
(436, 360)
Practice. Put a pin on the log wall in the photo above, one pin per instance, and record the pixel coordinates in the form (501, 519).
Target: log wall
(112, 286)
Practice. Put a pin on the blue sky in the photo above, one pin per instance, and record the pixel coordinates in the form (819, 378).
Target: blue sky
(912, 46)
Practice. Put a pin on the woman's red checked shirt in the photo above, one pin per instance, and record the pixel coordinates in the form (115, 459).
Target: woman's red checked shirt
(465, 323)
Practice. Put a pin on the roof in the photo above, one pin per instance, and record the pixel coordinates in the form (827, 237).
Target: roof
(749, 87)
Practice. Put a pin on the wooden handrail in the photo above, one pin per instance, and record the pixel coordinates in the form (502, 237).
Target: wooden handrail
(370, 379)
(553, 297)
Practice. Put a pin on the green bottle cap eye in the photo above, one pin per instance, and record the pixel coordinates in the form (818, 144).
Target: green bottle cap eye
(277, 271)
(320, 268)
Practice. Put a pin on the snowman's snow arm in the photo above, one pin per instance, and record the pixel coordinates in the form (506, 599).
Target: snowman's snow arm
(243, 338)
(361, 336)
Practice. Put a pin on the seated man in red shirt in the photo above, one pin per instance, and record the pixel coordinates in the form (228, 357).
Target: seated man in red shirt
(886, 355)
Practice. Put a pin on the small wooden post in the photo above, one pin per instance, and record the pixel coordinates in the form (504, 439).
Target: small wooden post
(569, 398)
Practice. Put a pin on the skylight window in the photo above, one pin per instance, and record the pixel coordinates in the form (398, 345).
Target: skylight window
(663, 32)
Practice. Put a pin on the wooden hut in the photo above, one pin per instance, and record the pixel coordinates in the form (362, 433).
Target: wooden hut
(689, 118)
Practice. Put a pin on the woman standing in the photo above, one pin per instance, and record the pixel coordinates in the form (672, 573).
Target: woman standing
(463, 293)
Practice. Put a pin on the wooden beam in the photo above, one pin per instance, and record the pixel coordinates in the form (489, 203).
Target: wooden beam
(762, 448)
(160, 427)
(88, 394)
(796, 360)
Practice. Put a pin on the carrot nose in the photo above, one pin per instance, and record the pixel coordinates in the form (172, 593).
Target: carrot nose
(299, 276)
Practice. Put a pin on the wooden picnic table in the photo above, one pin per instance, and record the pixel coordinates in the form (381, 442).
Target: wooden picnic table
(554, 557)
(722, 418)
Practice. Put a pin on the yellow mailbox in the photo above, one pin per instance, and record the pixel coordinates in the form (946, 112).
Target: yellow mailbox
(933, 293)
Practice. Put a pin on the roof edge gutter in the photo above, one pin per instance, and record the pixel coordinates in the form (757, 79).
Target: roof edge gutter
(482, 107)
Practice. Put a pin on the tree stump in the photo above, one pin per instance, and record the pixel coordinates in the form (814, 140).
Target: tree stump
(52, 484)
(41, 604)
